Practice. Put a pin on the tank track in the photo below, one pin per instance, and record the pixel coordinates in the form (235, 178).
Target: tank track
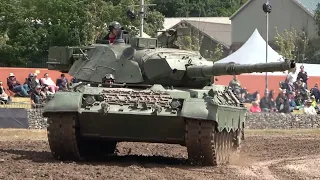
(66, 143)
(207, 146)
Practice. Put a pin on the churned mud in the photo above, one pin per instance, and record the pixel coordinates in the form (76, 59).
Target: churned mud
(25, 154)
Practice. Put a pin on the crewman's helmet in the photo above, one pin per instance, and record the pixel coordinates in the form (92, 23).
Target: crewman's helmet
(114, 25)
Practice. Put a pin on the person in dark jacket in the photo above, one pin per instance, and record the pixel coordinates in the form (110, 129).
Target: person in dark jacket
(282, 94)
(266, 103)
(291, 100)
(283, 106)
(63, 83)
(315, 92)
(31, 82)
(16, 87)
(303, 75)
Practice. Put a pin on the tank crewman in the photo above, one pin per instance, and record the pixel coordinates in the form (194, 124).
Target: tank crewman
(108, 80)
(114, 31)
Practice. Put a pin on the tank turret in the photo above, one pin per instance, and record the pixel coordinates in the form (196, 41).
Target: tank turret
(143, 63)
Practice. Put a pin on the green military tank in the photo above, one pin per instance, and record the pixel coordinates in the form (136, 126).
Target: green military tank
(158, 95)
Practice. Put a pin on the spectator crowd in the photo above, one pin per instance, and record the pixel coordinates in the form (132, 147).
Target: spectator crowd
(38, 89)
(294, 95)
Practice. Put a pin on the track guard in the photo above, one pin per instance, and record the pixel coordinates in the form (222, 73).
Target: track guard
(226, 117)
(63, 102)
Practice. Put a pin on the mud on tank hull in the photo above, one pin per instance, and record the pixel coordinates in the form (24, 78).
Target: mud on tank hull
(77, 131)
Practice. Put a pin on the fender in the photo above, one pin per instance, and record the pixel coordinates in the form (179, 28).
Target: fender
(197, 108)
(63, 102)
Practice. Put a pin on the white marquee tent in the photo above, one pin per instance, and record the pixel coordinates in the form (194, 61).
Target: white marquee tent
(253, 51)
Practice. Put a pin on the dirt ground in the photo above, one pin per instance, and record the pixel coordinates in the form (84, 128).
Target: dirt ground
(24, 154)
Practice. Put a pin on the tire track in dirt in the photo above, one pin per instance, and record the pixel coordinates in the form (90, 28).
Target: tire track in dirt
(276, 157)
(263, 157)
(284, 168)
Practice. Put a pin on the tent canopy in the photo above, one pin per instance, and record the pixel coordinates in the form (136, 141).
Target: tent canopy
(253, 51)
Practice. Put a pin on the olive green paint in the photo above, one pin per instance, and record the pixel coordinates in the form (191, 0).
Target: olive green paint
(177, 83)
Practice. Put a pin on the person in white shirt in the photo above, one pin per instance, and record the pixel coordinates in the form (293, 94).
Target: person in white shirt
(291, 77)
(35, 76)
(46, 80)
(308, 108)
(3, 95)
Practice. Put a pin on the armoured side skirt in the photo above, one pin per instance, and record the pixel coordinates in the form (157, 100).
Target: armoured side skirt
(135, 128)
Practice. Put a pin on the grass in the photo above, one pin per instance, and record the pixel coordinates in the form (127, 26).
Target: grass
(20, 99)
(298, 111)
(12, 134)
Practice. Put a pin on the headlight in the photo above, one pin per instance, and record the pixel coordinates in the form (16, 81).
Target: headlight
(175, 104)
(90, 100)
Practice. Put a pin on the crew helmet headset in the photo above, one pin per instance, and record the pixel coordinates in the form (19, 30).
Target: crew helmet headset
(114, 25)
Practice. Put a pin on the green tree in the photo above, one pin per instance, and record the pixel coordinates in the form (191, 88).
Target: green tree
(313, 51)
(198, 8)
(20, 41)
(188, 43)
(317, 17)
(31, 27)
(218, 53)
(292, 44)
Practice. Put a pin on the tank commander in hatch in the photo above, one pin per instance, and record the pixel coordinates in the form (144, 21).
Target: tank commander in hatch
(114, 32)
(108, 80)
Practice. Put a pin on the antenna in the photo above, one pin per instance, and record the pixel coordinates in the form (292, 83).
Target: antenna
(131, 14)
(141, 17)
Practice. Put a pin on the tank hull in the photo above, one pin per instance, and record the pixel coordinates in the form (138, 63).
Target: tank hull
(210, 128)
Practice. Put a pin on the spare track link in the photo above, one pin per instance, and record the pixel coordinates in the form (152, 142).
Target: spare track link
(208, 147)
(62, 136)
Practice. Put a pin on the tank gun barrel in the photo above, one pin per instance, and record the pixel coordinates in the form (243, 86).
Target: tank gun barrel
(219, 69)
